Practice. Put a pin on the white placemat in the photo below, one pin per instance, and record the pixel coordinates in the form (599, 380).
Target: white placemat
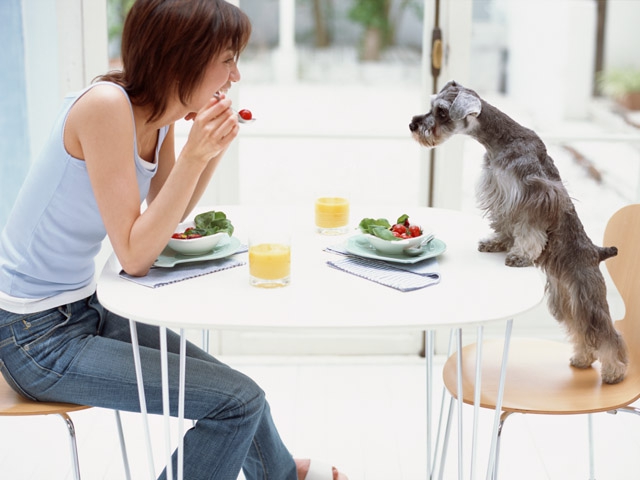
(158, 277)
(401, 276)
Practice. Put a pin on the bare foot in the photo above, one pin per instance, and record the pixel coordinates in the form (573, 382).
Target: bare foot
(302, 466)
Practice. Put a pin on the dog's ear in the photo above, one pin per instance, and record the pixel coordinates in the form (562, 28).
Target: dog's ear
(464, 104)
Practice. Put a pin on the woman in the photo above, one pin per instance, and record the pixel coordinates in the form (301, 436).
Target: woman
(112, 148)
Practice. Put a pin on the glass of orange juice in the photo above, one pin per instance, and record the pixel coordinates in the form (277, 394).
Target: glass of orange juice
(332, 215)
(269, 259)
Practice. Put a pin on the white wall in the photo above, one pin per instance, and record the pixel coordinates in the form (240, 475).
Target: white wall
(551, 54)
(622, 34)
(65, 48)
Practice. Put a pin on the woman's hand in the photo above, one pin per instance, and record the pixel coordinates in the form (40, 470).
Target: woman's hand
(213, 129)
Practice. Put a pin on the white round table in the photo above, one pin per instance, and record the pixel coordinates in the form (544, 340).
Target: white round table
(475, 288)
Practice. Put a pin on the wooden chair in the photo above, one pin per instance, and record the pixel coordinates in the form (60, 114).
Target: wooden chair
(14, 404)
(539, 379)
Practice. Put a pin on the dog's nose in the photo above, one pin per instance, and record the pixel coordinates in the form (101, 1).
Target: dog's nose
(415, 122)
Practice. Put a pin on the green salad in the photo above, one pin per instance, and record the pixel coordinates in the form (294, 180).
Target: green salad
(381, 228)
(207, 223)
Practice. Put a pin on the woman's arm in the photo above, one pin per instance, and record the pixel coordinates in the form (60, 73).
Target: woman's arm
(166, 163)
(107, 148)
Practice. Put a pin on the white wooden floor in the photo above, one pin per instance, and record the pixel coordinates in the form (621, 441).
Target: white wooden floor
(364, 414)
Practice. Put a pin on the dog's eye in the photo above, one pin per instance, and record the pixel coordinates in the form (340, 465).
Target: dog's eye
(440, 113)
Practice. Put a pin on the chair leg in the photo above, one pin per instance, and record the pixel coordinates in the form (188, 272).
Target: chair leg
(503, 418)
(74, 445)
(633, 410)
(592, 473)
(123, 447)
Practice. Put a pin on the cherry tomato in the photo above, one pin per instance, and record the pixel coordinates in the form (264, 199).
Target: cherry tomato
(415, 230)
(187, 234)
(245, 114)
(399, 228)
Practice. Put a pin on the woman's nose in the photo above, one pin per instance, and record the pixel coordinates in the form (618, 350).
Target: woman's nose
(235, 76)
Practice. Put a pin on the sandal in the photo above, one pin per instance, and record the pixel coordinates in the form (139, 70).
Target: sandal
(322, 471)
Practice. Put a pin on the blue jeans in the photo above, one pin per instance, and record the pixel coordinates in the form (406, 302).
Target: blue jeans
(81, 353)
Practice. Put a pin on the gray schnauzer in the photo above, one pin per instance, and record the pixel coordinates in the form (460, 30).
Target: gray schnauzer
(533, 219)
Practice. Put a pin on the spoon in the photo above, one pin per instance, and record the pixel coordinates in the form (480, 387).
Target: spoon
(417, 250)
(240, 119)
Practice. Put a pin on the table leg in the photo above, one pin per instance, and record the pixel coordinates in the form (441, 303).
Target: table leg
(165, 399)
(205, 340)
(447, 433)
(476, 400)
(143, 400)
(166, 412)
(428, 355)
(460, 403)
(496, 420)
(166, 402)
(445, 440)
(123, 447)
(181, 397)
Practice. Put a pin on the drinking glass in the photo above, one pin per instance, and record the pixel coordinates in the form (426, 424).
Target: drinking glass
(269, 259)
(332, 215)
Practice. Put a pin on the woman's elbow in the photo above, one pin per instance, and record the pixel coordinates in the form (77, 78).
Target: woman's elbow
(135, 268)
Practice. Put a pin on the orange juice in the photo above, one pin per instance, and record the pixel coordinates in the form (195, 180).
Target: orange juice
(269, 264)
(332, 214)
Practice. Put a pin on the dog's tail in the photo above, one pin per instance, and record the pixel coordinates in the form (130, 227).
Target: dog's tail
(606, 252)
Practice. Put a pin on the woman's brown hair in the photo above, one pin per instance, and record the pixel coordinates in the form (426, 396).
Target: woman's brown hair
(169, 43)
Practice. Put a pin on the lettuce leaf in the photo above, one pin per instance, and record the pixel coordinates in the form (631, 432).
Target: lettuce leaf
(208, 223)
(378, 227)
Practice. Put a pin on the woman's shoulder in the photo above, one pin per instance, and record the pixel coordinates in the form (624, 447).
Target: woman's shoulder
(102, 100)
(101, 109)
(104, 93)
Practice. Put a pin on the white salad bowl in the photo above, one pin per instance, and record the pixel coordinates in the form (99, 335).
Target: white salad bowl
(195, 246)
(394, 247)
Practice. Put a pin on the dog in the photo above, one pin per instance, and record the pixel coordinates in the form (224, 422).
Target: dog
(534, 220)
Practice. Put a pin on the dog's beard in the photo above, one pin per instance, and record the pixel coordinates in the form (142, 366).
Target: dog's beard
(424, 131)
(430, 137)
(424, 140)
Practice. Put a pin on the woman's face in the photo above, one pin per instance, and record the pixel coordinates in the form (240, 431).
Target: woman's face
(219, 74)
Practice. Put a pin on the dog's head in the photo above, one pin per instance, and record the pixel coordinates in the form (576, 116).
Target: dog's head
(452, 111)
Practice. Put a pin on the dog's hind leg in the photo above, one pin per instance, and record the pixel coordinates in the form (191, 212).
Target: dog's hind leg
(560, 306)
(559, 303)
(592, 330)
(613, 357)
(527, 245)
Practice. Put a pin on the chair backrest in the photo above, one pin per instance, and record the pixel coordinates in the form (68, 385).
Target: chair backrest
(623, 231)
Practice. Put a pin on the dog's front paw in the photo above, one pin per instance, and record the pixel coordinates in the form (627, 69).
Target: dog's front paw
(582, 361)
(492, 246)
(613, 372)
(514, 260)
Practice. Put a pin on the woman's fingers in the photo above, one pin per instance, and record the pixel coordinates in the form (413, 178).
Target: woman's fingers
(213, 129)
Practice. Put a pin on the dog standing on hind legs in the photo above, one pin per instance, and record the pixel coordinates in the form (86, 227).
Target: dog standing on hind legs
(534, 220)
